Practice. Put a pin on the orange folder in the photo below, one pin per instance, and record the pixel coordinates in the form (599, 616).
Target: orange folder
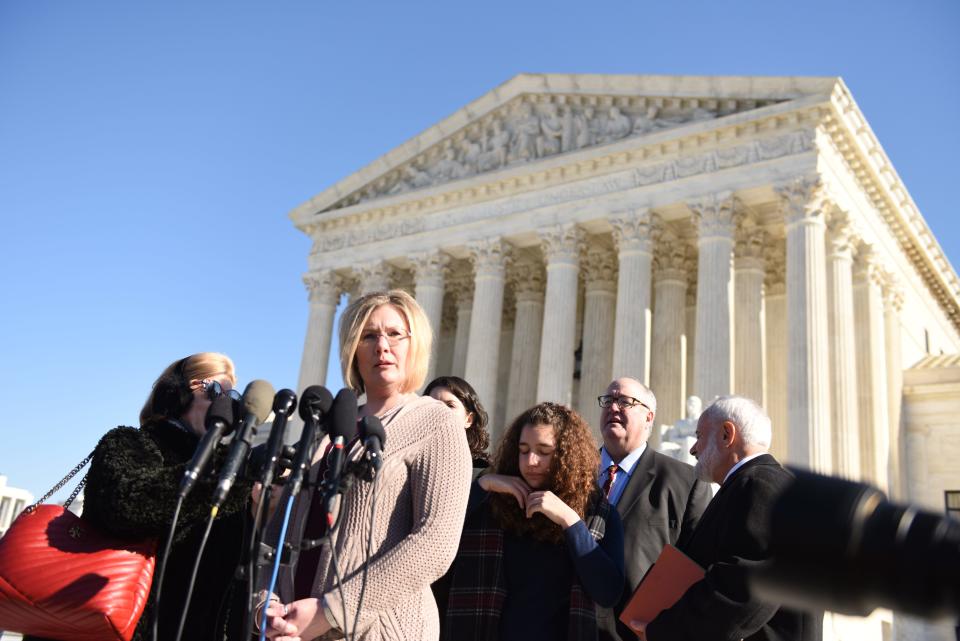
(662, 585)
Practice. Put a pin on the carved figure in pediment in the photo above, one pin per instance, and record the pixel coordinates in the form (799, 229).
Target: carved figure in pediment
(526, 129)
(617, 125)
(702, 114)
(551, 142)
(495, 154)
(470, 155)
(583, 124)
(447, 168)
(411, 178)
(645, 122)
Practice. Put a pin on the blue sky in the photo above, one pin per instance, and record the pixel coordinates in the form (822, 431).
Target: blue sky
(150, 153)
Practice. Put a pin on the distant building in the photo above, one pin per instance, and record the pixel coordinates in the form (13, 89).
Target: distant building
(12, 502)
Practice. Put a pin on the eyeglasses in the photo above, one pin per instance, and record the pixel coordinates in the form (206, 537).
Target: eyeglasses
(393, 336)
(625, 402)
(214, 390)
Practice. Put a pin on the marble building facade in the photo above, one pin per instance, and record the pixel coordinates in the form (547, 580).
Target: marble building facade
(705, 235)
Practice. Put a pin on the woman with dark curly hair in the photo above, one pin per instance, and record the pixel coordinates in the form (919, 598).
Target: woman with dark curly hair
(459, 396)
(540, 544)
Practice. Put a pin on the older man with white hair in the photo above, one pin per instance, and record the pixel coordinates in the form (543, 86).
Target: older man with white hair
(733, 437)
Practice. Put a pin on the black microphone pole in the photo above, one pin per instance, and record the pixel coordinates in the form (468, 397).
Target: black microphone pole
(283, 403)
(343, 429)
(257, 402)
(374, 439)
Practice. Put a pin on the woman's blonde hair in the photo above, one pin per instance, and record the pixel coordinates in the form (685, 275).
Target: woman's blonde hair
(354, 318)
(171, 394)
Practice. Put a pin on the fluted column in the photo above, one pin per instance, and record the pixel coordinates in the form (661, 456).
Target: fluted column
(373, 277)
(892, 304)
(483, 351)
(775, 303)
(462, 287)
(323, 288)
(808, 394)
(713, 369)
(669, 318)
(599, 312)
(528, 286)
(634, 235)
(871, 367)
(843, 370)
(560, 245)
(428, 269)
(748, 343)
(690, 327)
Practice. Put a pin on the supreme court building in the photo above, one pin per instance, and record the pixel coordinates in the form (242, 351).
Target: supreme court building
(706, 235)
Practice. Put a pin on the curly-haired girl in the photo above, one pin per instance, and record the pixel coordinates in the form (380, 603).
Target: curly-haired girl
(540, 544)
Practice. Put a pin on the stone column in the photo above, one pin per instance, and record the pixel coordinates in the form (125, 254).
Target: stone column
(483, 352)
(713, 373)
(843, 370)
(428, 270)
(599, 312)
(462, 287)
(560, 245)
(748, 343)
(892, 304)
(871, 367)
(528, 286)
(690, 328)
(373, 277)
(634, 235)
(669, 319)
(775, 302)
(808, 394)
(323, 288)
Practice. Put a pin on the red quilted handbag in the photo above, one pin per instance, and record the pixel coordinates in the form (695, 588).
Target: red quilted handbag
(62, 579)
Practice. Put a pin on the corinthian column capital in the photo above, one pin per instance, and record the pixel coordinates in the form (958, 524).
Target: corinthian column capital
(803, 200)
(636, 231)
(561, 243)
(840, 234)
(489, 256)
(600, 268)
(528, 279)
(713, 216)
(374, 276)
(430, 267)
(323, 287)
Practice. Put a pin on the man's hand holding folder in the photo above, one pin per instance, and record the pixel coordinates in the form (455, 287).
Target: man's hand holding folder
(662, 586)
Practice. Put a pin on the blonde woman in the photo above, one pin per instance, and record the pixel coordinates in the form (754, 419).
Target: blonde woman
(421, 495)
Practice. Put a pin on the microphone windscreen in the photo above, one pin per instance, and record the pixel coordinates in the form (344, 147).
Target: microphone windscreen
(221, 409)
(343, 415)
(284, 401)
(258, 399)
(315, 399)
(371, 426)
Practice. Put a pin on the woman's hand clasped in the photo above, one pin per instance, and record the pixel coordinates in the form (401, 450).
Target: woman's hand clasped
(300, 620)
(504, 484)
(543, 501)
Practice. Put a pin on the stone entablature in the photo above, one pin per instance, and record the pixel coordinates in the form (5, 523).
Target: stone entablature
(810, 113)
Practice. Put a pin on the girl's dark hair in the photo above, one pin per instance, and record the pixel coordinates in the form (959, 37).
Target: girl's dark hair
(573, 470)
(477, 435)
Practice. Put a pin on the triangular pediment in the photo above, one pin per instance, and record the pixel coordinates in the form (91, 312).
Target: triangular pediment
(537, 116)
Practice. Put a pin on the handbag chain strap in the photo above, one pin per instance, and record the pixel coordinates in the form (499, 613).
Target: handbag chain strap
(64, 481)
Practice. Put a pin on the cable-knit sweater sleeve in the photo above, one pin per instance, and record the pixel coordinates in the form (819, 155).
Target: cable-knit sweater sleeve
(432, 470)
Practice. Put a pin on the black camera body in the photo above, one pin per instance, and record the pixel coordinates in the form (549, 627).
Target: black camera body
(841, 546)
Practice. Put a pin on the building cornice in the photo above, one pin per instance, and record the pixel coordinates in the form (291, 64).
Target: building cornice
(853, 138)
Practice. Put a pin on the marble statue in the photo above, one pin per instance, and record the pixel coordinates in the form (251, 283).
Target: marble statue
(677, 440)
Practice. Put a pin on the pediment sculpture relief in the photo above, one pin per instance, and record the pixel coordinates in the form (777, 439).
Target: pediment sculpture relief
(529, 130)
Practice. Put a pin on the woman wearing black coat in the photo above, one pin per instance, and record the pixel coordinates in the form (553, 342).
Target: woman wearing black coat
(131, 492)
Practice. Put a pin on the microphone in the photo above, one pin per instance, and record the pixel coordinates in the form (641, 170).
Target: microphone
(315, 402)
(283, 404)
(219, 422)
(257, 401)
(343, 429)
(374, 438)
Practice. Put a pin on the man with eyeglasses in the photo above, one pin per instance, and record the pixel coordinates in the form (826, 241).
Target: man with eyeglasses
(658, 498)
